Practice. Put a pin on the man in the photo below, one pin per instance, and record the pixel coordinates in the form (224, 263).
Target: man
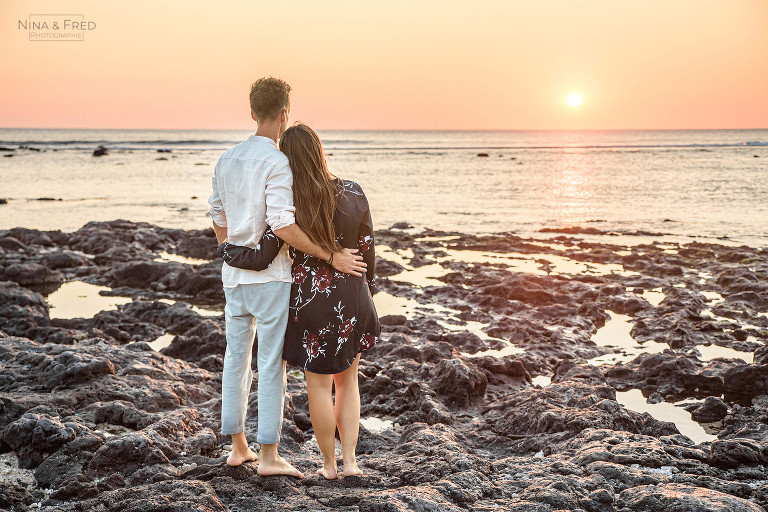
(253, 188)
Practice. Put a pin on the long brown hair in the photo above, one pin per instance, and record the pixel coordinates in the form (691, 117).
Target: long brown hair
(314, 192)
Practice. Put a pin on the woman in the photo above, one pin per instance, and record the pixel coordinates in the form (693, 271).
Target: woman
(332, 317)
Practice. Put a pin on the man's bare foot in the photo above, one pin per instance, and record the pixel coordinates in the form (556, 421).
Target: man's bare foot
(351, 469)
(236, 458)
(278, 466)
(328, 472)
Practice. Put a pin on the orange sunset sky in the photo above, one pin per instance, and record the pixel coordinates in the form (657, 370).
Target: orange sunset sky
(487, 64)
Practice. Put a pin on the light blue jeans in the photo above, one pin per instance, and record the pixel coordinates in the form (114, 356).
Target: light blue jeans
(262, 308)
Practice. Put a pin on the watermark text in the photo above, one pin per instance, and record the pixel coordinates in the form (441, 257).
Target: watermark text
(56, 27)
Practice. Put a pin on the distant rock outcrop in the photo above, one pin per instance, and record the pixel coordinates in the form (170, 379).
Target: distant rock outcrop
(100, 151)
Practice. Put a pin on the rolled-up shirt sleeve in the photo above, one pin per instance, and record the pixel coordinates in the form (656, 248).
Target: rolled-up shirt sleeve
(279, 197)
(217, 205)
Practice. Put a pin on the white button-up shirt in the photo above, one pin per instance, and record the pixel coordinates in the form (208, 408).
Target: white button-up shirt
(253, 188)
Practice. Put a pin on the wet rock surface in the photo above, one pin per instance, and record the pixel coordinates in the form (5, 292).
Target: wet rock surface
(494, 390)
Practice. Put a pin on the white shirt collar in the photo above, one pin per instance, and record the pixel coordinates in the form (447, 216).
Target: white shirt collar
(259, 138)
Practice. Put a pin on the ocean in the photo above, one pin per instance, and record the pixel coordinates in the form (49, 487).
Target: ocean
(680, 185)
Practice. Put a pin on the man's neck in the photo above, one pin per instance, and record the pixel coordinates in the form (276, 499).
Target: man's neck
(269, 130)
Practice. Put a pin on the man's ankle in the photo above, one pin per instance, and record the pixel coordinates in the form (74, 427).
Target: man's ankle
(239, 440)
(269, 452)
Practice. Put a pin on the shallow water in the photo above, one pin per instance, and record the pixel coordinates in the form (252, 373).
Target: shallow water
(388, 304)
(712, 297)
(654, 296)
(399, 256)
(616, 333)
(536, 263)
(709, 352)
(436, 238)
(508, 350)
(664, 411)
(542, 380)
(425, 275)
(161, 341)
(77, 299)
(165, 256)
(374, 424)
(206, 311)
(197, 309)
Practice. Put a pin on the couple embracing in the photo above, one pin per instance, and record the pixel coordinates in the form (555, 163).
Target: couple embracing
(298, 274)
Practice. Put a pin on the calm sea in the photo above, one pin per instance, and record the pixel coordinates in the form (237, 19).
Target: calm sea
(703, 184)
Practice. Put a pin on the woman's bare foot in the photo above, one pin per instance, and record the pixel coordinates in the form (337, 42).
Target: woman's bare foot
(351, 469)
(236, 457)
(328, 472)
(278, 466)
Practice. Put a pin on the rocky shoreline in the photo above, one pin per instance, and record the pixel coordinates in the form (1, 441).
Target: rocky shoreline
(493, 387)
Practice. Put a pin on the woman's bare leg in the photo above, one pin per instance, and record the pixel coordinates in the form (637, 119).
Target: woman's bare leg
(320, 399)
(348, 415)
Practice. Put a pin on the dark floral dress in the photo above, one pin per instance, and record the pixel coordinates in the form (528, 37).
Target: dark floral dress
(332, 317)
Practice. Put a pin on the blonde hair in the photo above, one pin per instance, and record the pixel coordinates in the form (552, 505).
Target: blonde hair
(269, 96)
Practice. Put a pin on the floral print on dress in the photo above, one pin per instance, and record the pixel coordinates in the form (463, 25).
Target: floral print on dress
(313, 344)
(299, 274)
(364, 243)
(344, 326)
(368, 341)
(322, 280)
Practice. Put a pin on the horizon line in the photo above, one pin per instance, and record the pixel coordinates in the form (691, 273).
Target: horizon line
(403, 129)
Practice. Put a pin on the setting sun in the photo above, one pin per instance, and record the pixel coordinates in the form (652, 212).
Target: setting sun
(574, 100)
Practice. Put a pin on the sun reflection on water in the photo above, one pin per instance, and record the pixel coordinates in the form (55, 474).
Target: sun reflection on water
(571, 199)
